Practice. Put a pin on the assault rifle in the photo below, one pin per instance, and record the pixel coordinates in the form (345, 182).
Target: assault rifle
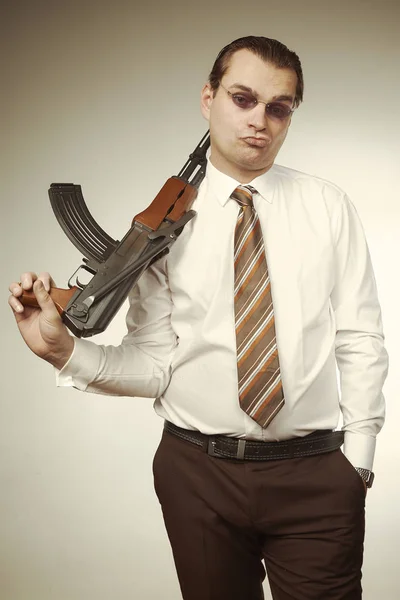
(116, 266)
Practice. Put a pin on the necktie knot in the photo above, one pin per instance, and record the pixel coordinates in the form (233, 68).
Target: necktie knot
(243, 195)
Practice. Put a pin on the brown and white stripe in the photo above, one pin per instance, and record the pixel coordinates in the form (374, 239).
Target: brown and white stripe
(260, 385)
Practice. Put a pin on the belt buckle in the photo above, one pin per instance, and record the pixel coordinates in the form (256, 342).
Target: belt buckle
(240, 449)
(211, 445)
(212, 440)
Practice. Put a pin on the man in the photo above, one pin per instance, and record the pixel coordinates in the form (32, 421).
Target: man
(237, 333)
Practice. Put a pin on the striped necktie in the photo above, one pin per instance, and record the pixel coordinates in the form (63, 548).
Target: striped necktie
(260, 386)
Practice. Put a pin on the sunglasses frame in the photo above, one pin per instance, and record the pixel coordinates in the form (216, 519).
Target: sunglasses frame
(268, 105)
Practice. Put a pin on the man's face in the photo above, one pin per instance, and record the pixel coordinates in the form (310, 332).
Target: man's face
(245, 142)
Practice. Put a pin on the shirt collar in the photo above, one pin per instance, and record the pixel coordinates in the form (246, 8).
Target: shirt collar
(223, 185)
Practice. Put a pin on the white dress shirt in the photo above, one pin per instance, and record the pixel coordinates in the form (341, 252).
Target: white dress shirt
(181, 348)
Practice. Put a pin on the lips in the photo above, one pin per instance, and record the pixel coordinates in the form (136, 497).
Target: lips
(256, 141)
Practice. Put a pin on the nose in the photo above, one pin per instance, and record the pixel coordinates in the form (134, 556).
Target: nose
(257, 117)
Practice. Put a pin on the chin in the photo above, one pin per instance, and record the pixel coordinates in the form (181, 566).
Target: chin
(255, 164)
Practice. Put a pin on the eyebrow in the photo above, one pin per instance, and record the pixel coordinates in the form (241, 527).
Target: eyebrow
(281, 97)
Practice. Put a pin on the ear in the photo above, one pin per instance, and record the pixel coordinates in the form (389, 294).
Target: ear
(206, 99)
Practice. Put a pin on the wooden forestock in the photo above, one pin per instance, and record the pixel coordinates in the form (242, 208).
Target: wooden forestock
(156, 212)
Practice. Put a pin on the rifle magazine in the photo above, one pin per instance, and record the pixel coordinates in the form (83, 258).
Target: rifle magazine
(77, 222)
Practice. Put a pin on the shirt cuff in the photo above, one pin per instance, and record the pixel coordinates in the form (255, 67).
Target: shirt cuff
(359, 449)
(81, 368)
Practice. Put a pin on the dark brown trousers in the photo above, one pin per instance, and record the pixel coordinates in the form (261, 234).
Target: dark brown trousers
(304, 517)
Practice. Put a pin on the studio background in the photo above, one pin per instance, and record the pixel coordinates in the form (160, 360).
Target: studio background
(107, 95)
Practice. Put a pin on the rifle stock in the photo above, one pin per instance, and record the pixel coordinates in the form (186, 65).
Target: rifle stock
(59, 296)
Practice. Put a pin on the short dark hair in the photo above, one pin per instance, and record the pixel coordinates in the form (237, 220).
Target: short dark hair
(269, 50)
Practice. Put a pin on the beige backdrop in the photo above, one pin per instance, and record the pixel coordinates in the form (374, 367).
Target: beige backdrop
(106, 95)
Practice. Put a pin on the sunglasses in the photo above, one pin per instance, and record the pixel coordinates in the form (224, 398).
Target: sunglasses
(246, 101)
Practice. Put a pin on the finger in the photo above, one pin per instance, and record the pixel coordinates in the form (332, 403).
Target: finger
(27, 279)
(15, 304)
(48, 281)
(15, 288)
(45, 302)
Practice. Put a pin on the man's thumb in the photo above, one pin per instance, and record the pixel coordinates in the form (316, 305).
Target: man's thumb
(43, 298)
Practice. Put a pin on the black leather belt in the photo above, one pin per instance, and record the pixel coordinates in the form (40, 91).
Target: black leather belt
(221, 446)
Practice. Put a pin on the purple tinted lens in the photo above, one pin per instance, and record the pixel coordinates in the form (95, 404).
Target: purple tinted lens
(244, 100)
(277, 110)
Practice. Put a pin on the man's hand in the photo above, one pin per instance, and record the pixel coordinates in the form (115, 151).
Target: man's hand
(41, 328)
